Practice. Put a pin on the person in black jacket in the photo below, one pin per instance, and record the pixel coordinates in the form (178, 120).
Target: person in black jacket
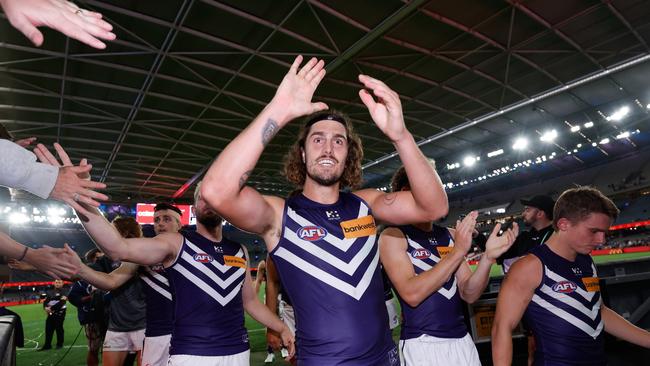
(55, 306)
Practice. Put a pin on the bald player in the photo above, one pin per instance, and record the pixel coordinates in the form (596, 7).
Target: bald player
(321, 239)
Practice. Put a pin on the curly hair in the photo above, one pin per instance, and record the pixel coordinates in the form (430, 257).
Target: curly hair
(295, 169)
(128, 227)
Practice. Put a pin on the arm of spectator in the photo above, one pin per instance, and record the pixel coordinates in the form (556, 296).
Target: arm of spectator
(73, 185)
(20, 265)
(50, 261)
(64, 16)
(19, 169)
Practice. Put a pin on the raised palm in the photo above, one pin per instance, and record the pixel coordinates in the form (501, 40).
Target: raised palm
(386, 110)
(298, 86)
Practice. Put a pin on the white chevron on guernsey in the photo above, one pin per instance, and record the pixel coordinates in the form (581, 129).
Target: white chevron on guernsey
(448, 293)
(557, 278)
(342, 244)
(156, 287)
(578, 323)
(355, 292)
(592, 314)
(221, 267)
(223, 300)
(348, 268)
(216, 279)
(156, 275)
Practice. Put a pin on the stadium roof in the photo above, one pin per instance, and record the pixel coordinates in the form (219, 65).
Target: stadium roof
(185, 77)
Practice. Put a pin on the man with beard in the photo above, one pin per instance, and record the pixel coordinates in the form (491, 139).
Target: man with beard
(538, 214)
(158, 294)
(210, 283)
(321, 239)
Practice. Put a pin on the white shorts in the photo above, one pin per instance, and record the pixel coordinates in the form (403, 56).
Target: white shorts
(393, 314)
(286, 314)
(156, 350)
(123, 341)
(239, 359)
(434, 351)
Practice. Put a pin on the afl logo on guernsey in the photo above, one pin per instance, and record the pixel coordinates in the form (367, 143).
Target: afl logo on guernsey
(311, 233)
(565, 287)
(420, 253)
(202, 257)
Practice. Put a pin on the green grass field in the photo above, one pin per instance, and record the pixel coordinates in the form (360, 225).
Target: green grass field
(33, 319)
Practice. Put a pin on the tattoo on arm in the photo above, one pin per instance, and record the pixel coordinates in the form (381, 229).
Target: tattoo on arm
(269, 130)
(244, 178)
(390, 198)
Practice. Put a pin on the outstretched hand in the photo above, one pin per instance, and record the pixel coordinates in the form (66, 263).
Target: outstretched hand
(497, 245)
(73, 185)
(65, 16)
(386, 110)
(298, 86)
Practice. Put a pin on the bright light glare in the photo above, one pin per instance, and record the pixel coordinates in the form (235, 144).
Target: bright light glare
(604, 141)
(494, 153)
(619, 114)
(623, 135)
(520, 143)
(18, 218)
(469, 161)
(575, 128)
(589, 124)
(548, 136)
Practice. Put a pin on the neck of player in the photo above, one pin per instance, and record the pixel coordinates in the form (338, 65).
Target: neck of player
(317, 192)
(213, 234)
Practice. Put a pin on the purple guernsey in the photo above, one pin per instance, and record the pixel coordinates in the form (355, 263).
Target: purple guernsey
(207, 279)
(328, 262)
(564, 313)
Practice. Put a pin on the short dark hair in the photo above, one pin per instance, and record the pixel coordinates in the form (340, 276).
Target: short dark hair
(577, 203)
(167, 206)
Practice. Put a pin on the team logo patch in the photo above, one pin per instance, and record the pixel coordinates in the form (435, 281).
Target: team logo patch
(357, 228)
(443, 251)
(420, 253)
(564, 287)
(311, 233)
(203, 258)
(231, 260)
(591, 284)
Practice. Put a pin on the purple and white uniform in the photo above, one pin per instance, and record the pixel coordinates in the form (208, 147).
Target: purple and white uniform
(441, 314)
(328, 262)
(207, 279)
(564, 313)
(160, 314)
(158, 296)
